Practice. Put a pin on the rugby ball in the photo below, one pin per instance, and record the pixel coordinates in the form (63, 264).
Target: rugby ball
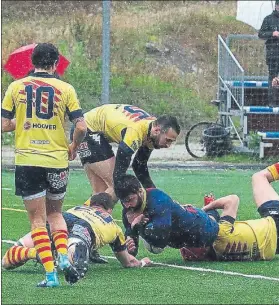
(150, 248)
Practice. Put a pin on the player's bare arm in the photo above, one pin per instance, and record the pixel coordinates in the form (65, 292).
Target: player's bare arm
(8, 125)
(78, 136)
(229, 204)
(129, 261)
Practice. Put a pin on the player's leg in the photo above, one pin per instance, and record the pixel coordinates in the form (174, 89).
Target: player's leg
(31, 185)
(100, 175)
(81, 240)
(17, 255)
(58, 179)
(266, 198)
(262, 189)
(98, 160)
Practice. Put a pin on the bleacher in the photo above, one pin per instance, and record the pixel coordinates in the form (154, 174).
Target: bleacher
(244, 93)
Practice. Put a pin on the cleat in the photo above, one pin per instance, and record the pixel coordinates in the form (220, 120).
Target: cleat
(96, 258)
(208, 198)
(80, 258)
(70, 272)
(50, 281)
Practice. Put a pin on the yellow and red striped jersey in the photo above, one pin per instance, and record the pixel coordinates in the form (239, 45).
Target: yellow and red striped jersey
(40, 102)
(125, 124)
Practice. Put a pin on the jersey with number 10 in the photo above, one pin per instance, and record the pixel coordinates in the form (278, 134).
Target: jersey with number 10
(40, 102)
(126, 125)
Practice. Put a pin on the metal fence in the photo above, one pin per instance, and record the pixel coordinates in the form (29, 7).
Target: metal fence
(249, 51)
(229, 70)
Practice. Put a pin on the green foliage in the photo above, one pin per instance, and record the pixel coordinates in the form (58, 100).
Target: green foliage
(254, 140)
(7, 138)
(136, 76)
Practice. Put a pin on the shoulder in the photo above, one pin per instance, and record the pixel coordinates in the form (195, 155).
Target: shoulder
(157, 196)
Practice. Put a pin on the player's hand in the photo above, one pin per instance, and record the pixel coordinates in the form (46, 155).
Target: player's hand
(275, 34)
(146, 262)
(187, 205)
(72, 152)
(130, 243)
(275, 82)
(141, 220)
(131, 216)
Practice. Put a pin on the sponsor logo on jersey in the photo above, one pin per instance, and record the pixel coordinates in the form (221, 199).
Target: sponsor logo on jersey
(40, 142)
(27, 125)
(44, 126)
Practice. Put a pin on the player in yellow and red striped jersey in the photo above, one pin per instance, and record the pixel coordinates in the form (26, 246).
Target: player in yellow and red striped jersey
(256, 239)
(40, 102)
(90, 228)
(135, 131)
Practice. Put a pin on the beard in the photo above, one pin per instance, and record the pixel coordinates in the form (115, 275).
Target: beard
(138, 206)
(155, 141)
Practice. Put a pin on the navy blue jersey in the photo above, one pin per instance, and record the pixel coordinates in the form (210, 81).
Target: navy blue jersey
(172, 225)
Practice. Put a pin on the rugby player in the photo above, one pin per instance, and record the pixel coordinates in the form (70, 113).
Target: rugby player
(245, 240)
(40, 102)
(135, 131)
(90, 228)
(159, 220)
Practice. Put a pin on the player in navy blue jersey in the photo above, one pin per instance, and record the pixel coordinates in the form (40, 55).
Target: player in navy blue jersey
(161, 221)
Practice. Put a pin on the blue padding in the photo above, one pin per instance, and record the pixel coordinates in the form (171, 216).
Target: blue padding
(261, 109)
(248, 84)
(269, 134)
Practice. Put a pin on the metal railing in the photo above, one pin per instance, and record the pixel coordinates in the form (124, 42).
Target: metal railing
(229, 69)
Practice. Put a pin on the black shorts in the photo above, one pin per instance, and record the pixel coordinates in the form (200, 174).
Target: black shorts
(271, 208)
(79, 228)
(94, 148)
(31, 180)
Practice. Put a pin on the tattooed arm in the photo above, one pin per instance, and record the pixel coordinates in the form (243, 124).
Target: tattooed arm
(78, 136)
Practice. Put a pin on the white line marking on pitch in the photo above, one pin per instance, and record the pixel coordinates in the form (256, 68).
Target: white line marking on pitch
(6, 189)
(7, 241)
(24, 211)
(253, 276)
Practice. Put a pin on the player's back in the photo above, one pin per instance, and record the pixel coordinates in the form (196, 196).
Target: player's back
(246, 240)
(113, 120)
(40, 102)
(105, 229)
(189, 226)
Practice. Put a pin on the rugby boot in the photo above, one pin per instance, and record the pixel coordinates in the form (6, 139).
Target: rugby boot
(80, 258)
(70, 272)
(50, 281)
(96, 258)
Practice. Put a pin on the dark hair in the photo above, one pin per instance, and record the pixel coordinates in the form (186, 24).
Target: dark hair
(44, 55)
(126, 185)
(102, 199)
(166, 122)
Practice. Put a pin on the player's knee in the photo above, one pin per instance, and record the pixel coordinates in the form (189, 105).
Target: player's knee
(234, 199)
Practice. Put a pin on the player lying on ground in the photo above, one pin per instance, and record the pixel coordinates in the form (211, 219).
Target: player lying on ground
(245, 240)
(89, 228)
(159, 220)
(135, 131)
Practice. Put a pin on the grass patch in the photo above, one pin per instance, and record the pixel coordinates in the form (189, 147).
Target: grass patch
(111, 284)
